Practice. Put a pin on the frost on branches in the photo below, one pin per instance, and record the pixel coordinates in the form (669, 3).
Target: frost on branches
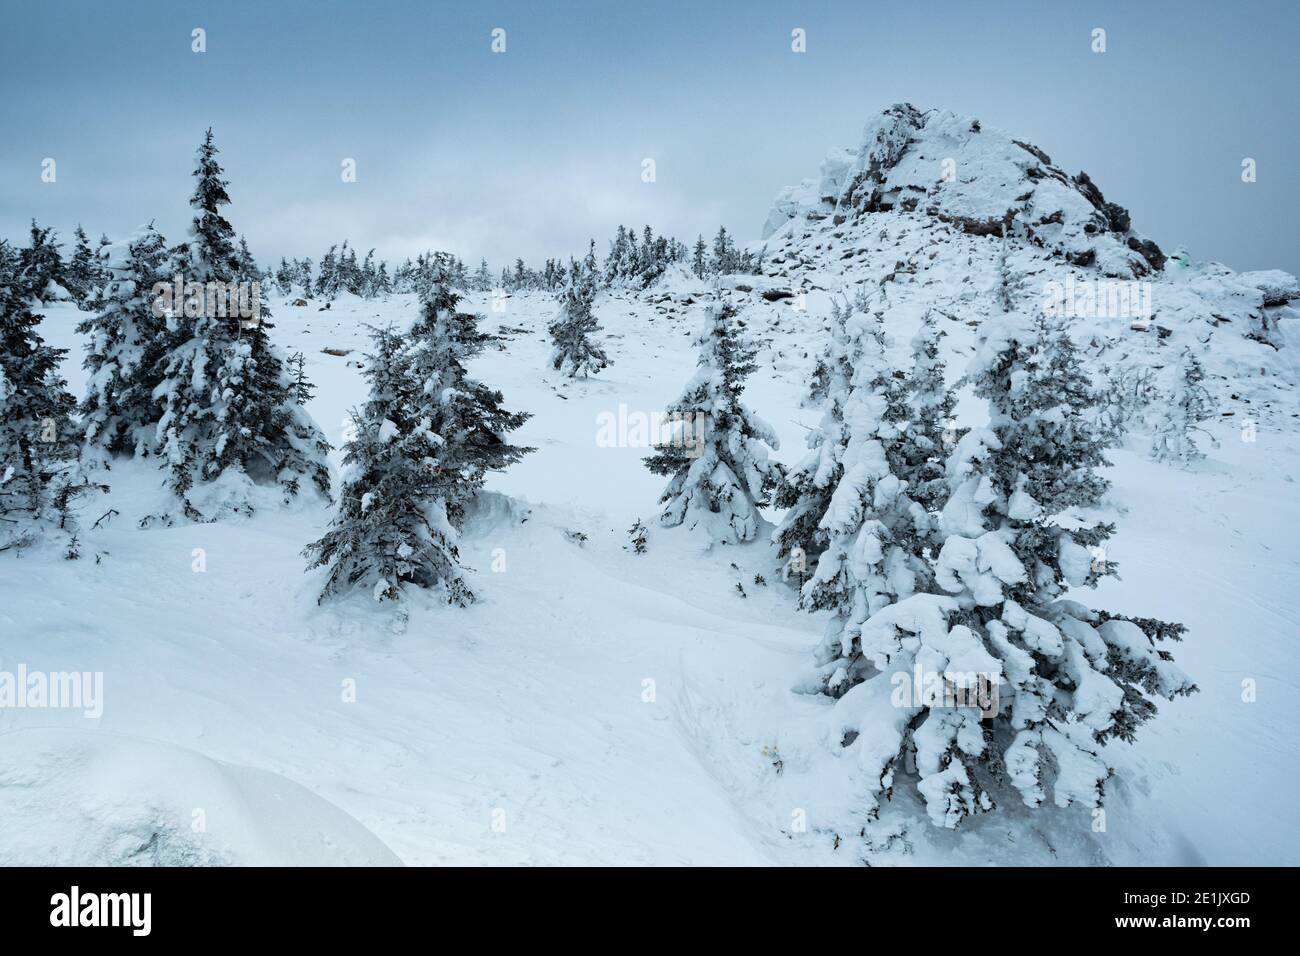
(719, 469)
(1019, 528)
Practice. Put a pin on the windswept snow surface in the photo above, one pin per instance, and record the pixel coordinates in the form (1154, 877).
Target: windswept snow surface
(597, 706)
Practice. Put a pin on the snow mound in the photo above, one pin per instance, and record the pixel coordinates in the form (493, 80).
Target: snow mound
(97, 799)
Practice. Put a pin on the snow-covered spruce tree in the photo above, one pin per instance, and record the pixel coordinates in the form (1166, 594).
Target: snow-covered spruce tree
(1178, 414)
(1129, 393)
(465, 414)
(819, 385)
(283, 278)
(124, 352)
(392, 528)
(245, 265)
(1021, 527)
(874, 533)
(805, 491)
(700, 258)
(83, 274)
(41, 270)
(228, 406)
(426, 440)
(931, 430)
(720, 472)
(39, 478)
(574, 352)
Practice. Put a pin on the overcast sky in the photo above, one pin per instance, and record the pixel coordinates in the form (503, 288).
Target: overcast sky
(529, 152)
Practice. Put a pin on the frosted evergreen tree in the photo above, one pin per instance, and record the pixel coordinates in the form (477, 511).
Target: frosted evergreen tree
(304, 277)
(303, 389)
(465, 414)
(126, 345)
(700, 259)
(228, 405)
(82, 274)
(369, 276)
(819, 384)
(574, 352)
(616, 262)
(1178, 414)
(41, 269)
(719, 468)
(39, 477)
(246, 265)
(726, 258)
(805, 493)
(394, 527)
(874, 533)
(1022, 687)
(590, 267)
(425, 442)
(327, 277)
(283, 278)
(932, 431)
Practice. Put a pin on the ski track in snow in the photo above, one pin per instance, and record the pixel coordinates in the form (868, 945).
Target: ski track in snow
(529, 707)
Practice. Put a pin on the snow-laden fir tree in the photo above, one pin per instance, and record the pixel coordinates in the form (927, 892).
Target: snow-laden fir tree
(1129, 393)
(303, 277)
(246, 266)
(229, 412)
(1177, 415)
(83, 273)
(805, 490)
(1021, 526)
(819, 382)
(283, 278)
(41, 269)
(465, 414)
(39, 477)
(874, 533)
(700, 258)
(425, 442)
(932, 431)
(719, 469)
(126, 342)
(574, 353)
(392, 528)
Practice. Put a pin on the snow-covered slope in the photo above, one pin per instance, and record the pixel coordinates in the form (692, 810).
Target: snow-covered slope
(598, 706)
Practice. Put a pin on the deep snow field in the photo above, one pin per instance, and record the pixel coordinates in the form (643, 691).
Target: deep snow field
(595, 706)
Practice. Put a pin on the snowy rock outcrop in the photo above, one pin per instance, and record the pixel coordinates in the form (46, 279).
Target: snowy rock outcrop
(979, 180)
(938, 211)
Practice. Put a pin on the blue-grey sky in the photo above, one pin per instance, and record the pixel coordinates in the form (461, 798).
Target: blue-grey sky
(529, 152)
